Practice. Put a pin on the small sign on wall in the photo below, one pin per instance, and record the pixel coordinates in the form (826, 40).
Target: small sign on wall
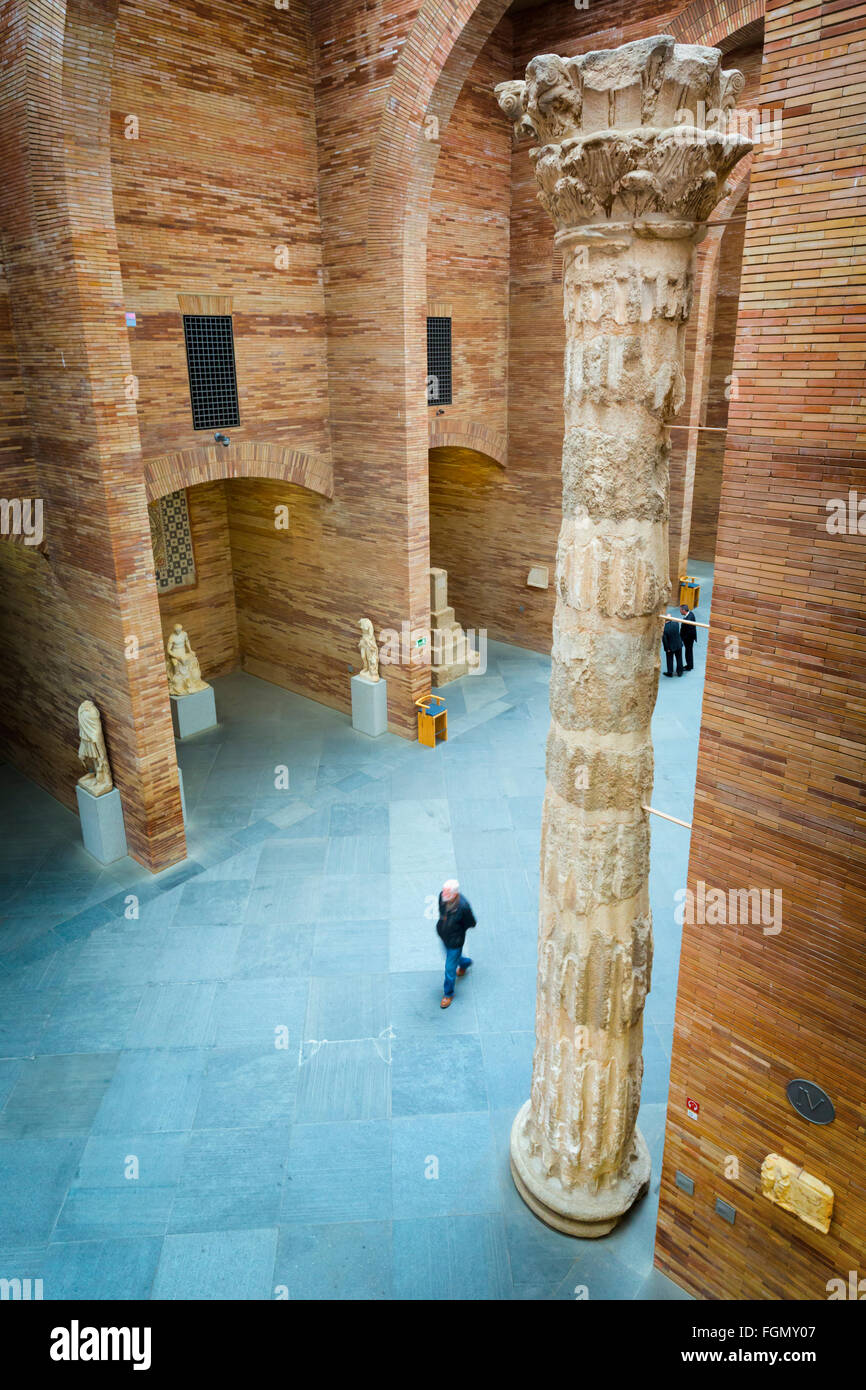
(130, 320)
(692, 1108)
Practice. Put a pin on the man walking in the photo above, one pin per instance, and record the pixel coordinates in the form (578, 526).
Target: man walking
(672, 641)
(689, 635)
(455, 919)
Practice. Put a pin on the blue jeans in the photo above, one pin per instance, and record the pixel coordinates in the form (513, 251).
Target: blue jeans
(453, 959)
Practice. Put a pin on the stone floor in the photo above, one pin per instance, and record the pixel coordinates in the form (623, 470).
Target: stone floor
(234, 1078)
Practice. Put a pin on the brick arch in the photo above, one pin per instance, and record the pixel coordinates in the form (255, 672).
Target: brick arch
(469, 434)
(705, 339)
(443, 42)
(707, 22)
(210, 463)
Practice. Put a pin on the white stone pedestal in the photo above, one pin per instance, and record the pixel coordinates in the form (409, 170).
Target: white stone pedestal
(369, 706)
(192, 714)
(102, 828)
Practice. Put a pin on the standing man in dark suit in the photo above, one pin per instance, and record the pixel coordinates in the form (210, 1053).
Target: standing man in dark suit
(689, 635)
(672, 641)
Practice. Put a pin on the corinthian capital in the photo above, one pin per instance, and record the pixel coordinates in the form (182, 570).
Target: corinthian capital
(632, 133)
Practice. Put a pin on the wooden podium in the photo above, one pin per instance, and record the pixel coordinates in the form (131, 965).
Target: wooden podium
(432, 720)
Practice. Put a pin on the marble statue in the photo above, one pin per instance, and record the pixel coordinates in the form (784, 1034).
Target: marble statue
(369, 651)
(629, 188)
(184, 672)
(91, 751)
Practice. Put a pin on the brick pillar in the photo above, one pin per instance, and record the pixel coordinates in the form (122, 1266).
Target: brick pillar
(66, 294)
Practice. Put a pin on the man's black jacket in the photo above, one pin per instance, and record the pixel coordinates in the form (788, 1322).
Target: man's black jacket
(690, 634)
(453, 926)
(672, 639)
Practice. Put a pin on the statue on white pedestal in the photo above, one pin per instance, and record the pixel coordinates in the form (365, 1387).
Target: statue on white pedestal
(91, 751)
(369, 651)
(184, 672)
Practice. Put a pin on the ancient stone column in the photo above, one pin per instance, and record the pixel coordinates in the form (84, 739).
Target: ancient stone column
(629, 166)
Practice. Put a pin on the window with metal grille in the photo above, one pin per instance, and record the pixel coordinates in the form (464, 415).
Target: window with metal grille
(210, 360)
(438, 361)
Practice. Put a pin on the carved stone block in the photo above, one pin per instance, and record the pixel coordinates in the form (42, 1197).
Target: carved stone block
(789, 1186)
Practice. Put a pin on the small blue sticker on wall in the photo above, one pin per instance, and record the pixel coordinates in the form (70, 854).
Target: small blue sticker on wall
(130, 320)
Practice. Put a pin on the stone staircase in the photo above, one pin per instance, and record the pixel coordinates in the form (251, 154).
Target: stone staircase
(451, 656)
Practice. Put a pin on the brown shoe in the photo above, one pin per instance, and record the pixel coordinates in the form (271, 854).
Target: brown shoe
(460, 970)
(446, 1002)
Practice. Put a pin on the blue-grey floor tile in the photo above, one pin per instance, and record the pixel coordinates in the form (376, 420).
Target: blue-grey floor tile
(413, 943)
(343, 1007)
(220, 1265)
(274, 950)
(10, 1070)
(214, 904)
(152, 1090)
(598, 1276)
(437, 1076)
(23, 1017)
(446, 1259)
(354, 818)
(259, 1012)
(344, 1081)
(57, 1095)
(508, 1068)
(245, 1087)
(351, 948)
(504, 994)
(101, 1269)
(93, 1214)
(657, 1287)
(230, 1178)
(197, 953)
(292, 856)
(339, 1261)
(34, 1178)
(172, 1015)
(415, 1010)
(338, 1173)
(358, 854)
(475, 814)
(360, 897)
(444, 1165)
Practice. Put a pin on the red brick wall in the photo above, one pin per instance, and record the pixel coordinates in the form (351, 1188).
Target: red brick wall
(780, 800)
(84, 622)
(222, 174)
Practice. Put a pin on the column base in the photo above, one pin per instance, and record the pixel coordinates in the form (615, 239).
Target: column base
(575, 1211)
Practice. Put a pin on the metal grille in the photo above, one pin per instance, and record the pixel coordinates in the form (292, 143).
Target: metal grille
(210, 360)
(438, 361)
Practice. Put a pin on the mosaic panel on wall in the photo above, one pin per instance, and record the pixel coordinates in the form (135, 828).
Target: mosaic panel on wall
(171, 536)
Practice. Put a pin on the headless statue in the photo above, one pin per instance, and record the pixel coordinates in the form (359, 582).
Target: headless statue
(369, 651)
(91, 751)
